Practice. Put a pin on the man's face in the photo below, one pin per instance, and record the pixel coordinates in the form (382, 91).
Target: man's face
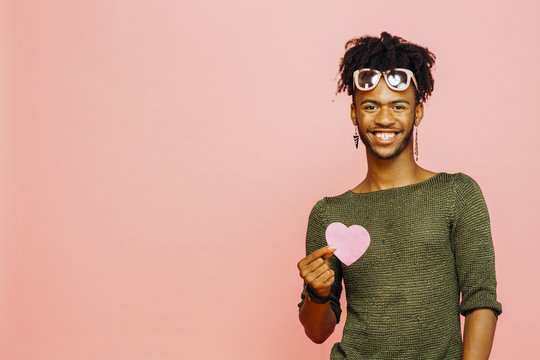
(386, 119)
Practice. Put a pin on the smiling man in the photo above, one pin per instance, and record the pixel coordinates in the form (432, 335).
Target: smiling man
(428, 254)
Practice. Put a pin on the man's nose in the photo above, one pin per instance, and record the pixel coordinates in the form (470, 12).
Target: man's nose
(385, 117)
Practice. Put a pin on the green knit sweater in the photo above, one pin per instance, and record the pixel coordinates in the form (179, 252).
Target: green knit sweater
(430, 242)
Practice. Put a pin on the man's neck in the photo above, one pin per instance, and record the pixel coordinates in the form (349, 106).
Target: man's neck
(386, 174)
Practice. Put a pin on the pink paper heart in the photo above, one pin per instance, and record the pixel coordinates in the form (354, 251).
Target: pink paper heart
(351, 242)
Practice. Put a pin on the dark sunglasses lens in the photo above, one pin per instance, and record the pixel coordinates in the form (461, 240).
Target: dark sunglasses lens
(368, 79)
(397, 79)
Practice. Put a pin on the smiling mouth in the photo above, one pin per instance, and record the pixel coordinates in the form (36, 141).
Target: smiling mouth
(385, 135)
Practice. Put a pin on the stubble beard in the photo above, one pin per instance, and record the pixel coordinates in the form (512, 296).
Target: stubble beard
(398, 151)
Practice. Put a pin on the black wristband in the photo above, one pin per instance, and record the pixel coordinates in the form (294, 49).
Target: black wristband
(313, 297)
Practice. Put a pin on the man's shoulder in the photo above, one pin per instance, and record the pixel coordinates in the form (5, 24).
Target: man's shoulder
(464, 182)
(457, 177)
(335, 204)
(457, 180)
(340, 197)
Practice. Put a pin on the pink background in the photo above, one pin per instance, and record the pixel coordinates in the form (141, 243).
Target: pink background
(159, 160)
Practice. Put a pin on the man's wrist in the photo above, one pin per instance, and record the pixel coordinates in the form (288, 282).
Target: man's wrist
(314, 297)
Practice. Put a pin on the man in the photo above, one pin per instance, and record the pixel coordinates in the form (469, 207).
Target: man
(430, 237)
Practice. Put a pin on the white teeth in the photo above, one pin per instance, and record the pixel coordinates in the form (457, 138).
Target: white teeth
(385, 136)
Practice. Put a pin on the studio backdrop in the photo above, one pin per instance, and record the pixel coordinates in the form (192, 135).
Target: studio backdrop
(159, 159)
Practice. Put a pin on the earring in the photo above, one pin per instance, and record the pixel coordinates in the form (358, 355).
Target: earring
(355, 136)
(416, 143)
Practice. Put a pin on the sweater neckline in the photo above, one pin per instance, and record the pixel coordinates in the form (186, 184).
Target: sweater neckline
(399, 189)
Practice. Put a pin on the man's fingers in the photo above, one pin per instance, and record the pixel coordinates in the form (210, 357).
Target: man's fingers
(323, 283)
(314, 274)
(314, 260)
(330, 281)
(325, 276)
(328, 255)
(326, 250)
(311, 267)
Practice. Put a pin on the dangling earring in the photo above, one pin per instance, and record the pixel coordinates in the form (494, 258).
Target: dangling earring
(355, 136)
(416, 143)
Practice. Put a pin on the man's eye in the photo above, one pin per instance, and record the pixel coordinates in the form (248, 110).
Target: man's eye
(399, 107)
(370, 107)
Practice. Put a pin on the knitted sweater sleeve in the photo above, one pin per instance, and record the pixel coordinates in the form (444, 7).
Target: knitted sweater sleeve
(473, 247)
(316, 239)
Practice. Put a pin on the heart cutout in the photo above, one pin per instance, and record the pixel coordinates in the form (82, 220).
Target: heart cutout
(350, 242)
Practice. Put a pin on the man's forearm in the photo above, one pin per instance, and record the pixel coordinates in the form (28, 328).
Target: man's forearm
(319, 320)
(478, 334)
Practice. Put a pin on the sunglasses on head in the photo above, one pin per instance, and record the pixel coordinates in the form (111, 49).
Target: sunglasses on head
(397, 79)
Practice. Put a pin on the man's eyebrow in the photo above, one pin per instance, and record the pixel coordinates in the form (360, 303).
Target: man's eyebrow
(391, 102)
(370, 101)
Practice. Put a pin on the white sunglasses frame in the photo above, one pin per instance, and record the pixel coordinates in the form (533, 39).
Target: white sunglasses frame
(384, 74)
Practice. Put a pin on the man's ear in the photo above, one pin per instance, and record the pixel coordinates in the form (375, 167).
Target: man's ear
(418, 114)
(353, 114)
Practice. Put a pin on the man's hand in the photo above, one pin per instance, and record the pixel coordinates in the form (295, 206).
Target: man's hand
(318, 320)
(315, 270)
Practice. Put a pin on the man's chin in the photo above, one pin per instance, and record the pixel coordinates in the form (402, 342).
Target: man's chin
(388, 155)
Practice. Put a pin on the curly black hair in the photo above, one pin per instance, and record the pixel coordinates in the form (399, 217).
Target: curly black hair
(386, 53)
